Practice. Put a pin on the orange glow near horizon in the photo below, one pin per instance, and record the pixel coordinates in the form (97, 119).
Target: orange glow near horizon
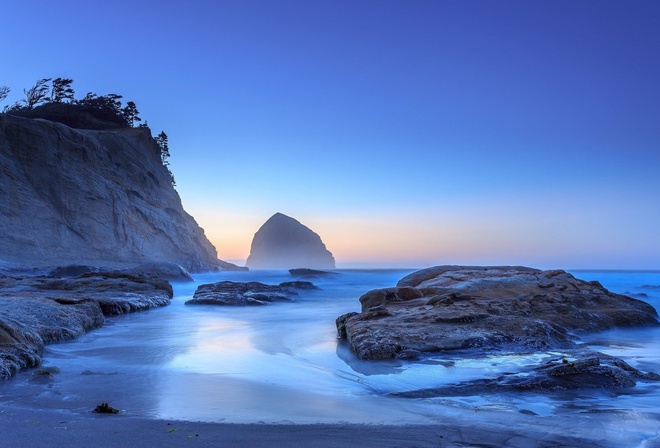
(490, 235)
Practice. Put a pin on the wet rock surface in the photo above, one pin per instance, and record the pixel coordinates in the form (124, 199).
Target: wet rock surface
(310, 273)
(453, 308)
(161, 270)
(72, 270)
(35, 311)
(578, 370)
(246, 293)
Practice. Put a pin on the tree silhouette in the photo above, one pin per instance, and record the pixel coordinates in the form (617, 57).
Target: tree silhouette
(61, 90)
(37, 93)
(4, 91)
(162, 142)
(130, 114)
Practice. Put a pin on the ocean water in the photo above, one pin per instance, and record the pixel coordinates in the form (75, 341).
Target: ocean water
(283, 363)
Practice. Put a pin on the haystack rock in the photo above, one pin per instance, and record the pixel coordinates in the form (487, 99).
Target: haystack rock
(283, 243)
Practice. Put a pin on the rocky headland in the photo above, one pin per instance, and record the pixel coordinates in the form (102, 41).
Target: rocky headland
(283, 243)
(91, 227)
(474, 311)
(37, 310)
(92, 197)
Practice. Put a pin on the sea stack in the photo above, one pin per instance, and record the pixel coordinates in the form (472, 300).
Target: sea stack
(284, 243)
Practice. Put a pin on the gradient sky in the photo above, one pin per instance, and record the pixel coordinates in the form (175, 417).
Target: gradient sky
(405, 133)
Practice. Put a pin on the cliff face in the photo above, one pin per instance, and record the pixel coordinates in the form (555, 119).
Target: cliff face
(283, 243)
(94, 197)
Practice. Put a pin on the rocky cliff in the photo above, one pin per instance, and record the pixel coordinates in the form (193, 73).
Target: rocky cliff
(283, 243)
(97, 197)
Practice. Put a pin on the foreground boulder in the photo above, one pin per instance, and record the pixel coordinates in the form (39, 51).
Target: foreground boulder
(35, 311)
(283, 243)
(246, 293)
(451, 308)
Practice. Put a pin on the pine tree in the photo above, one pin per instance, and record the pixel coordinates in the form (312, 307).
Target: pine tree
(130, 114)
(61, 90)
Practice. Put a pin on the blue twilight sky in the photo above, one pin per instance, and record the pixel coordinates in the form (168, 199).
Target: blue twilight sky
(405, 133)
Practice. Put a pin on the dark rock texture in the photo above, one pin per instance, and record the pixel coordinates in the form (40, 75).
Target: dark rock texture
(451, 308)
(35, 311)
(583, 370)
(161, 270)
(283, 243)
(101, 198)
(310, 273)
(72, 270)
(246, 293)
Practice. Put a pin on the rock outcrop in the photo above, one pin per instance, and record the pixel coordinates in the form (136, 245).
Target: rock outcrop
(160, 270)
(101, 198)
(246, 293)
(310, 273)
(452, 308)
(582, 370)
(35, 311)
(283, 243)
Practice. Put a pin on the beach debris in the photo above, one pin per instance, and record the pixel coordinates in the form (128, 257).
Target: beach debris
(105, 408)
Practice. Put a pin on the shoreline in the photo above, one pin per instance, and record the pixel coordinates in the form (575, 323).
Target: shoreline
(75, 425)
(46, 428)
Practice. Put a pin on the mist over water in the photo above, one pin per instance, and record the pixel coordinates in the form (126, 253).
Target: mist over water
(283, 363)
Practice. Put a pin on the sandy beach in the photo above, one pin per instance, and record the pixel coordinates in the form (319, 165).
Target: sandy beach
(45, 428)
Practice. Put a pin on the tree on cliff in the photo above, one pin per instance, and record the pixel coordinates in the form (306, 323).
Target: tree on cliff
(57, 103)
(36, 94)
(4, 91)
(163, 143)
(106, 107)
(61, 90)
(130, 114)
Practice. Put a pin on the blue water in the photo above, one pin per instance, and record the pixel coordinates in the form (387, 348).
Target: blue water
(283, 363)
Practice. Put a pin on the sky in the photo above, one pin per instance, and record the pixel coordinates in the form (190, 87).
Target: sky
(405, 133)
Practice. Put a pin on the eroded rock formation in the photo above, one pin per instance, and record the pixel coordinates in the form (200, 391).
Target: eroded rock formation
(452, 308)
(246, 293)
(35, 311)
(284, 243)
(581, 370)
(103, 198)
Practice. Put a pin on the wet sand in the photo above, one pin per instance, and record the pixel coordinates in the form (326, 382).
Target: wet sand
(40, 428)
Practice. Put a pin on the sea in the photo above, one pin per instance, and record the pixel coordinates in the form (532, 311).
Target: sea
(283, 363)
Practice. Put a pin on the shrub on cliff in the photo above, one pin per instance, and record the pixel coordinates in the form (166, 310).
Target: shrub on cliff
(73, 115)
(56, 102)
